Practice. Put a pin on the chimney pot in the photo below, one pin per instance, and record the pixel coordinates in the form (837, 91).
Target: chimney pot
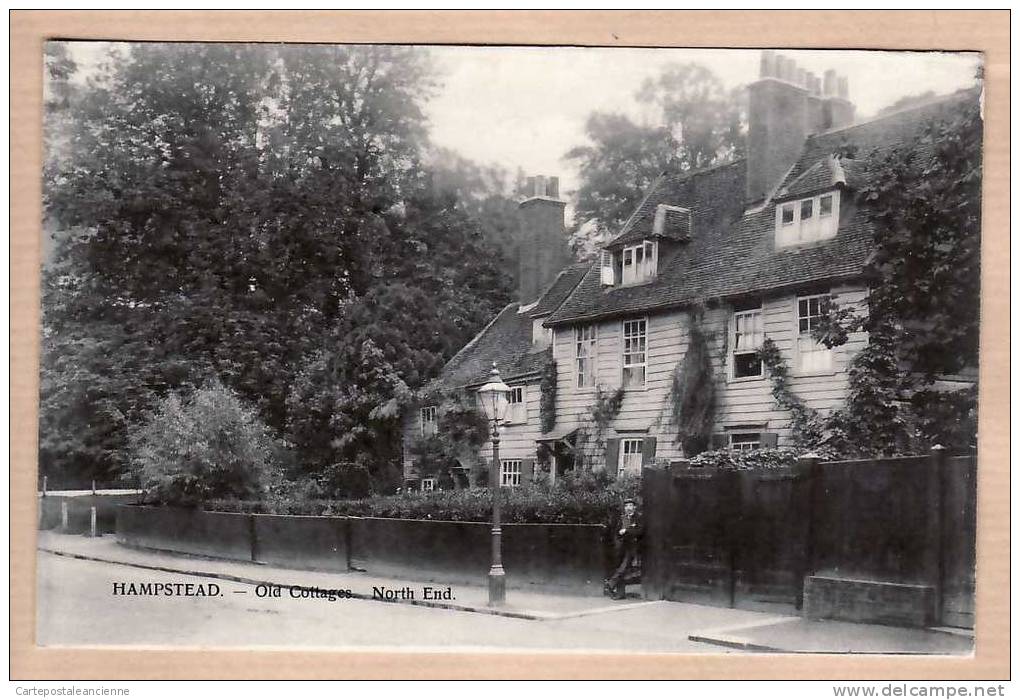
(801, 77)
(831, 83)
(553, 188)
(780, 67)
(768, 64)
(791, 70)
(540, 185)
(844, 87)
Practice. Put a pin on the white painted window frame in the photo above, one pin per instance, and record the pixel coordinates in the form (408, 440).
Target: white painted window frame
(644, 272)
(510, 472)
(624, 365)
(734, 351)
(745, 444)
(631, 454)
(517, 411)
(433, 421)
(803, 338)
(428, 485)
(820, 228)
(591, 347)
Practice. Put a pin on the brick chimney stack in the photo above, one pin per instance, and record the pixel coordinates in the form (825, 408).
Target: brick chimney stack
(542, 244)
(786, 105)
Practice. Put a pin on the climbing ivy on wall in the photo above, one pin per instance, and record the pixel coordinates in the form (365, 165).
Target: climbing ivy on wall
(806, 424)
(461, 432)
(547, 399)
(692, 397)
(590, 444)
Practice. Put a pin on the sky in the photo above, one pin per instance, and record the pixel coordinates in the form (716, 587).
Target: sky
(524, 107)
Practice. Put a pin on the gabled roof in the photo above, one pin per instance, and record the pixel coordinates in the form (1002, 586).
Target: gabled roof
(826, 174)
(560, 289)
(711, 195)
(733, 254)
(506, 340)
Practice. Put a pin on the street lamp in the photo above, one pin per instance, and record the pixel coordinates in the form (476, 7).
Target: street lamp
(495, 399)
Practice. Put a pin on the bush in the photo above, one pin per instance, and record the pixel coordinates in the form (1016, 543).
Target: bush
(206, 446)
(765, 458)
(584, 498)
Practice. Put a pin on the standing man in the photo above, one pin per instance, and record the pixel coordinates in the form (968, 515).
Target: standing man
(627, 538)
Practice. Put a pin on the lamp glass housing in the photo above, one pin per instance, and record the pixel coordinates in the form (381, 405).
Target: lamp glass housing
(494, 396)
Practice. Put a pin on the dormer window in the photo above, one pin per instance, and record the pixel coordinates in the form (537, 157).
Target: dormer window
(639, 263)
(807, 220)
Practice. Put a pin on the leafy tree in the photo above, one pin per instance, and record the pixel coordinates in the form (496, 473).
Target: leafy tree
(699, 124)
(924, 307)
(208, 445)
(692, 394)
(240, 212)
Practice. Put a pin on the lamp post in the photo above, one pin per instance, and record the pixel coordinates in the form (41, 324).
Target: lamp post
(495, 399)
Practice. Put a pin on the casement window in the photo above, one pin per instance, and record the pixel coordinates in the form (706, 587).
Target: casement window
(745, 438)
(807, 220)
(639, 263)
(631, 455)
(585, 346)
(428, 484)
(428, 421)
(635, 359)
(746, 339)
(510, 472)
(608, 269)
(745, 441)
(812, 356)
(518, 411)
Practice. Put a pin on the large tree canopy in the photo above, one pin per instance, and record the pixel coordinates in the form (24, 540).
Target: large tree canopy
(697, 123)
(233, 212)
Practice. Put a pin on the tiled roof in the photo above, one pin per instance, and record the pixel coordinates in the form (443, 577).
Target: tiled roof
(823, 175)
(507, 339)
(713, 195)
(733, 255)
(560, 289)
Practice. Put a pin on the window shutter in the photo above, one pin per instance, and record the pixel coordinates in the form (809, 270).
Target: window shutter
(527, 471)
(647, 451)
(608, 278)
(612, 457)
(769, 440)
(720, 441)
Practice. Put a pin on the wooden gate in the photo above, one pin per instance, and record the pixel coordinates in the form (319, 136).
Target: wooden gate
(748, 538)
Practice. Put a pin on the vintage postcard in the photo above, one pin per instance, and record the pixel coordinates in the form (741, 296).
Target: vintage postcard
(398, 346)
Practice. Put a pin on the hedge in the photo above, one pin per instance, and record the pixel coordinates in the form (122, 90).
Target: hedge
(572, 503)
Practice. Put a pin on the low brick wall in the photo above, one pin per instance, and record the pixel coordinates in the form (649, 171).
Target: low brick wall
(221, 535)
(874, 602)
(301, 541)
(562, 557)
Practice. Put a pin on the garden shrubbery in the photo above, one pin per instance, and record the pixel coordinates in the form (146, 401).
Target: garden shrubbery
(764, 458)
(585, 498)
(204, 446)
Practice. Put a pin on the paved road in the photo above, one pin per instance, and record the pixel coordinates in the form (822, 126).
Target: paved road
(76, 606)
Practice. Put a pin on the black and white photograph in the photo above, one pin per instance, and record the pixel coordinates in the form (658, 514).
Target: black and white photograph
(509, 348)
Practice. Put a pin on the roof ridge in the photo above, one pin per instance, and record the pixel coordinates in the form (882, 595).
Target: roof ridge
(707, 169)
(474, 341)
(630, 219)
(937, 99)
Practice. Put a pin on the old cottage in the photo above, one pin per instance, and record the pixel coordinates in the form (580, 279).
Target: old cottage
(722, 258)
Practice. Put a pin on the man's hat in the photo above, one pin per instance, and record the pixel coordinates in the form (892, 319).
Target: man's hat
(629, 500)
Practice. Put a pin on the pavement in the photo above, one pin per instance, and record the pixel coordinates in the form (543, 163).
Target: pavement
(639, 624)
(525, 604)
